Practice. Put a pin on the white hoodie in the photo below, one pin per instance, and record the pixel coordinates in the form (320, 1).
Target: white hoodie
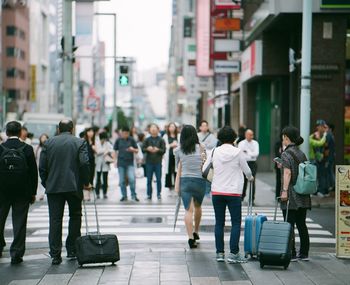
(229, 164)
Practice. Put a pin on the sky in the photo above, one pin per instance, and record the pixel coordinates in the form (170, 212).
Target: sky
(143, 32)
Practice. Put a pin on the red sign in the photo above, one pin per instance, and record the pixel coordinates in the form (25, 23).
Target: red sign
(227, 24)
(92, 101)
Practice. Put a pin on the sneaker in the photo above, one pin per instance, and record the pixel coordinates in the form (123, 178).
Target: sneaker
(159, 197)
(57, 260)
(303, 257)
(105, 196)
(319, 194)
(98, 196)
(220, 257)
(123, 199)
(294, 258)
(135, 199)
(149, 198)
(236, 258)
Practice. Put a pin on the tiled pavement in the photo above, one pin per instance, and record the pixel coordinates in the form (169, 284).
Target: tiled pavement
(167, 260)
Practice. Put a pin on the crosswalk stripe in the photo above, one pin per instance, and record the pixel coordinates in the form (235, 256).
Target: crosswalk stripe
(118, 219)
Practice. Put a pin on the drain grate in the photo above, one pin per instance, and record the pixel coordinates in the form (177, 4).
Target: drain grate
(147, 220)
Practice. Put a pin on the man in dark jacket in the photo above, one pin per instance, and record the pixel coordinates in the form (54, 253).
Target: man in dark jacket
(17, 189)
(64, 172)
(154, 147)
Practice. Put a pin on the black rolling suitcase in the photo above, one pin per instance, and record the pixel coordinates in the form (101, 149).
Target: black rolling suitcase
(95, 247)
(275, 245)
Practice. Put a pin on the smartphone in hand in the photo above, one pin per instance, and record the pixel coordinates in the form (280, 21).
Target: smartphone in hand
(278, 160)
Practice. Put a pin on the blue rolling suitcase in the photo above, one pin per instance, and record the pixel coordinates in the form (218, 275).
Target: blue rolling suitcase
(252, 228)
(275, 245)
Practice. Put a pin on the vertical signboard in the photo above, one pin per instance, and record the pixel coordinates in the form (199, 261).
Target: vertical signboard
(32, 83)
(343, 211)
(84, 13)
(203, 38)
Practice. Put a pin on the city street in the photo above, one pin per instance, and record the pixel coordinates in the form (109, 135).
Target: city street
(151, 253)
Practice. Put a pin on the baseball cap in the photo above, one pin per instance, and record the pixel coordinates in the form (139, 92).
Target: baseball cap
(321, 122)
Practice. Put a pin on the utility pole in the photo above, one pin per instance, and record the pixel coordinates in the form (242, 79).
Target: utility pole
(305, 97)
(67, 59)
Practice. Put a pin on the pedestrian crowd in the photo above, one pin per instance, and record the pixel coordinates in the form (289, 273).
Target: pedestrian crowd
(69, 166)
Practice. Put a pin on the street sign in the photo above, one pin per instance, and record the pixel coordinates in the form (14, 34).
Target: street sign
(226, 66)
(227, 24)
(227, 45)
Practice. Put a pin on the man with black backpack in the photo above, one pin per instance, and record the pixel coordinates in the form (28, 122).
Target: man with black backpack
(19, 181)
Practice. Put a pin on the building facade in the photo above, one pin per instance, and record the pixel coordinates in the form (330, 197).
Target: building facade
(15, 57)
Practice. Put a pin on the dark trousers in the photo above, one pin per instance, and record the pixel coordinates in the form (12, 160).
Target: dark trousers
(171, 175)
(19, 224)
(234, 205)
(298, 218)
(104, 182)
(253, 167)
(157, 169)
(278, 182)
(322, 177)
(56, 204)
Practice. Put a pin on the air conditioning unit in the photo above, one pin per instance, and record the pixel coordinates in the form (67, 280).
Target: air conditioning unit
(8, 3)
(22, 2)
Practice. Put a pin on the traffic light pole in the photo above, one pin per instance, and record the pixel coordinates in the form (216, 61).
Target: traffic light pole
(67, 59)
(305, 97)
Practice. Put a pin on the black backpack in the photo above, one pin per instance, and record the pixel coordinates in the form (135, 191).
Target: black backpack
(13, 168)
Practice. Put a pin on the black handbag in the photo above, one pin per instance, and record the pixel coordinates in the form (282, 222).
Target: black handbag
(208, 172)
(95, 247)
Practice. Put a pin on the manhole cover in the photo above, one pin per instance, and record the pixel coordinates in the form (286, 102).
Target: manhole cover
(147, 220)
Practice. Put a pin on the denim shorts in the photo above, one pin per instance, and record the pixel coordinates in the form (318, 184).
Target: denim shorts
(192, 187)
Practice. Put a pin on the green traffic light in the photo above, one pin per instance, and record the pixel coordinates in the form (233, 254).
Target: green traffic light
(123, 80)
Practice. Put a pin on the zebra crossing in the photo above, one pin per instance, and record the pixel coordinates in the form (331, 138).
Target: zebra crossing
(150, 223)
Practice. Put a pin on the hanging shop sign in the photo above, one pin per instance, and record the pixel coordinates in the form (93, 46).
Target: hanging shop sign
(226, 45)
(227, 24)
(335, 4)
(226, 66)
(227, 4)
(342, 201)
(203, 39)
(251, 61)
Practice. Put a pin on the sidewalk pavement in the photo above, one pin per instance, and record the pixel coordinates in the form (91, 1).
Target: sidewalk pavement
(181, 267)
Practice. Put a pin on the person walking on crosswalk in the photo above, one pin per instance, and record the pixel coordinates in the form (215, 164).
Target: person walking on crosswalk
(64, 172)
(189, 182)
(18, 186)
(229, 165)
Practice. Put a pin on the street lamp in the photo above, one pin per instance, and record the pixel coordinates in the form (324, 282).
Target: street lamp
(114, 115)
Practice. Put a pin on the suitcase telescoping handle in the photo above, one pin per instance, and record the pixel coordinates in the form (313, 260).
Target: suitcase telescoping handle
(96, 215)
(250, 199)
(276, 206)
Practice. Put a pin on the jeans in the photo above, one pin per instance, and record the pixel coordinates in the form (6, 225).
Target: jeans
(127, 172)
(104, 183)
(19, 224)
(234, 204)
(157, 169)
(56, 203)
(322, 177)
(253, 167)
(298, 218)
